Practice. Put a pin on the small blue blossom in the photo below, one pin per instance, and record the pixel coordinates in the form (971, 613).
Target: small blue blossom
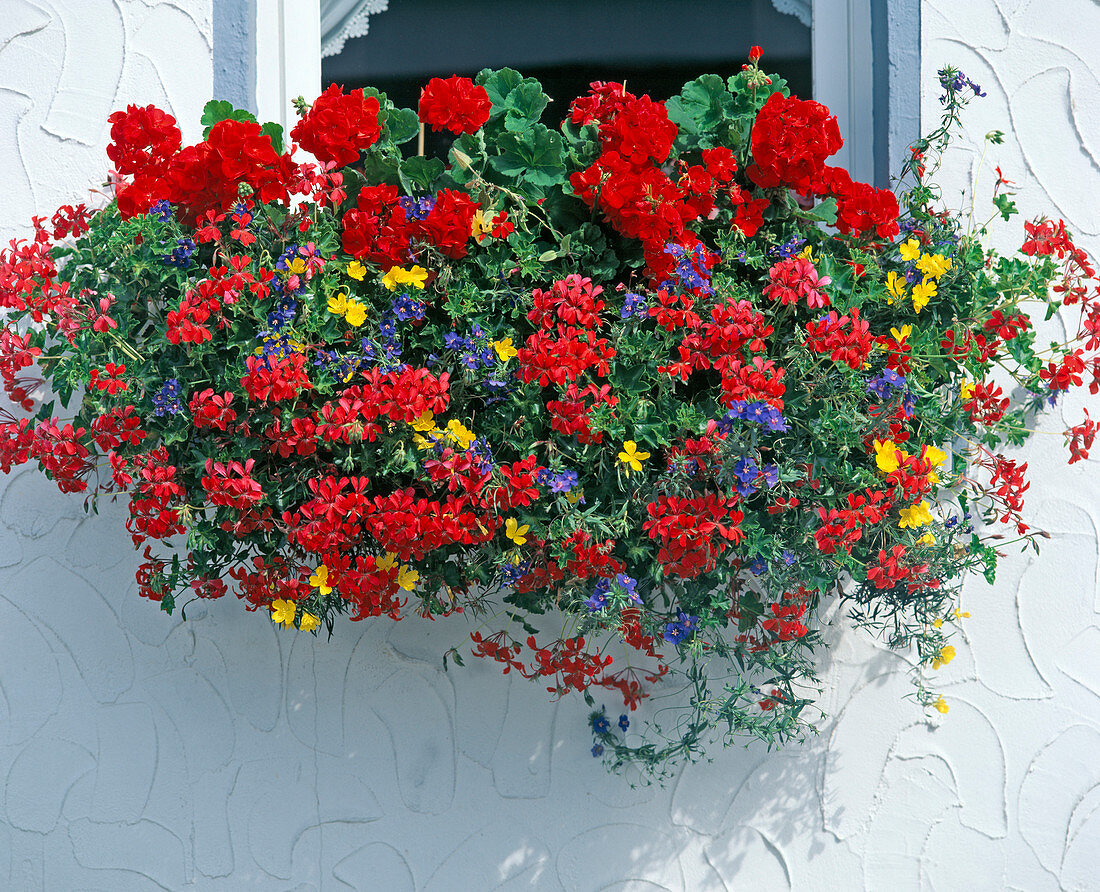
(512, 573)
(162, 210)
(167, 399)
(771, 474)
(600, 724)
(624, 722)
(681, 629)
(597, 750)
(407, 309)
(788, 557)
(691, 268)
(759, 566)
(416, 208)
(633, 305)
(181, 254)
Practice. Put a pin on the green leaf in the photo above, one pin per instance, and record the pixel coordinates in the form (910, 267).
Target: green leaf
(498, 84)
(534, 155)
(823, 211)
(525, 105)
(168, 604)
(274, 132)
(219, 110)
(418, 174)
(402, 124)
(1005, 205)
(702, 106)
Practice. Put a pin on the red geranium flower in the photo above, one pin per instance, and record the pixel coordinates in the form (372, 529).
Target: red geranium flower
(454, 104)
(338, 126)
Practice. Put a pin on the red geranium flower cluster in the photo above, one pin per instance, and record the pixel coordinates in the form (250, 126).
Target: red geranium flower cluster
(455, 104)
(380, 230)
(198, 178)
(338, 126)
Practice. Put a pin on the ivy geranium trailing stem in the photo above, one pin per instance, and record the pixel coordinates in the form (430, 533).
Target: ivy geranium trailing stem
(639, 392)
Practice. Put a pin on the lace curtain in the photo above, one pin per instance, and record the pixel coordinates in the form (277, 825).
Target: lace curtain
(341, 20)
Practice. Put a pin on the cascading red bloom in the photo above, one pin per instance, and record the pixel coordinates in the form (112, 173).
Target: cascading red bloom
(454, 104)
(142, 138)
(338, 126)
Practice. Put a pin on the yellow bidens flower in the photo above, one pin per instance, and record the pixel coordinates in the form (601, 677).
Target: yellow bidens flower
(910, 250)
(933, 265)
(960, 614)
(966, 391)
(631, 457)
(514, 531)
(915, 516)
(308, 622)
(407, 577)
(459, 434)
(941, 704)
(356, 313)
(504, 348)
(888, 456)
(387, 562)
(356, 270)
(296, 267)
(923, 293)
(947, 654)
(900, 334)
(319, 580)
(417, 277)
(282, 612)
(807, 252)
(927, 539)
(423, 422)
(895, 285)
(338, 304)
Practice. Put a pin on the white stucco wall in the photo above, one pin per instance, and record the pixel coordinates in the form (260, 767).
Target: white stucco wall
(140, 752)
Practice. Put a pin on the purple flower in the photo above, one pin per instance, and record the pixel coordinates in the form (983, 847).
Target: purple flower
(759, 566)
(624, 722)
(681, 629)
(167, 399)
(633, 305)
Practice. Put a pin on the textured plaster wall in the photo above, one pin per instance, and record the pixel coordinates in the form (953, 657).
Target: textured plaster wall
(139, 752)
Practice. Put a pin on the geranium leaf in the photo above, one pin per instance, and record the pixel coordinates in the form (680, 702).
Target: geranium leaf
(534, 155)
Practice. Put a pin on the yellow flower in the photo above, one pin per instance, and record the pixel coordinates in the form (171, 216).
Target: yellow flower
(387, 562)
(888, 457)
(406, 578)
(935, 455)
(966, 391)
(927, 539)
(947, 654)
(460, 434)
(923, 293)
(631, 457)
(807, 252)
(480, 227)
(429, 441)
(356, 270)
(515, 532)
(308, 622)
(296, 267)
(895, 286)
(282, 612)
(338, 304)
(961, 614)
(356, 313)
(915, 516)
(417, 277)
(910, 250)
(937, 622)
(319, 580)
(574, 496)
(504, 349)
(900, 334)
(423, 422)
(941, 705)
(933, 265)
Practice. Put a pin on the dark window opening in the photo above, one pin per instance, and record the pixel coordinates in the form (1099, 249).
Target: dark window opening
(655, 46)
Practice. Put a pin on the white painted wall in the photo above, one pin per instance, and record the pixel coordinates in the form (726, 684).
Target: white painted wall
(139, 752)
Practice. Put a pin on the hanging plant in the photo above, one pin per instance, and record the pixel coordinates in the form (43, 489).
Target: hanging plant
(639, 395)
